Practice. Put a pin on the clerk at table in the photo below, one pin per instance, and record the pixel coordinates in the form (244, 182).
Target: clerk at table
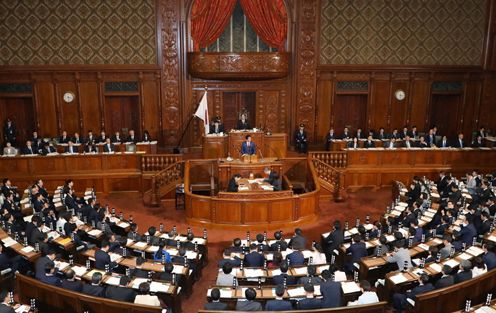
(243, 123)
(233, 183)
(248, 146)
(216, 127)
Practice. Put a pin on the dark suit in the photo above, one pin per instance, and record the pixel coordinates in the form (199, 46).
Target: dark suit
(75, 285)
(94, 290)
(444, 282)
(331, 293)
(248, 306)
(220, 129)
(114, 139)
(490, 260)
(64, 139)
(241, 125)
(101, 139)
(279, 279)
(29, 150)
(102, 258)
(280, 243)
(251, 149)
(119, 293)
(467, 234)
(108, 148)
(278, 305)
(333, 241)
(301, 140)
(6, 309)
(133, 139)
(90, 148)
(357, 251)
(51, 280)
(296, 258)
(254, 259)
(329, 138)
(444, 144)
(400, 300)
(39, 266)
(298, 242)
(354, 145)
(369, 144)
(309, 304)
(232, 186)
(74, 149)
(463, 276)
(216, 306)
(36, 237)
(459, 143)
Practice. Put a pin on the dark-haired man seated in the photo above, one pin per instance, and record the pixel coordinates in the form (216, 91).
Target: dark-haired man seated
(214, 303)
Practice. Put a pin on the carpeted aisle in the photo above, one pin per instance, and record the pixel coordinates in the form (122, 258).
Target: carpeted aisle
(359, 204)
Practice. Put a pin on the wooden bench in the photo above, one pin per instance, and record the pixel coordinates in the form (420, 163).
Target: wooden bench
(54, 299)
(379, 307)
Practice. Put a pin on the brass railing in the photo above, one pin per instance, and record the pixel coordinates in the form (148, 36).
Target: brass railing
(335, 159)
(331, 176)
(158, 162)
(165, 181)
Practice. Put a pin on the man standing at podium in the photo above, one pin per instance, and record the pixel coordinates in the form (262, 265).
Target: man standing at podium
(248, 147)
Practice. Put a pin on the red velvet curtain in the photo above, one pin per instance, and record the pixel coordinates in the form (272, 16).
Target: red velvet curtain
(269, 20)
(208, 20)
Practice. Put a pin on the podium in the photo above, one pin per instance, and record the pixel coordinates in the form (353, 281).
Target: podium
(229, 144)
(249, 158)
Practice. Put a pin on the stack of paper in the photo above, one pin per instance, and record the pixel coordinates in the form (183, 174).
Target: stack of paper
(398, 279)
(8, 241)
(350, 287)
(296, 292)
(114, 281)
(94, 233)
(79, 270)
(27, 249)
(138, 281)
(253, 272)
(159, 287)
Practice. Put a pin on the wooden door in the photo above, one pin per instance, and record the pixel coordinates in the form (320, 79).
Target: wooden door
(350, 111)
(235, 102)
(20, 110)
(444, 114)
(122, 114)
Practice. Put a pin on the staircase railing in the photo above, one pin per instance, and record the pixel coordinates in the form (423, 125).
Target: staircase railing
(158, 162)
(165, 180)
(336, 159)
(331, 176)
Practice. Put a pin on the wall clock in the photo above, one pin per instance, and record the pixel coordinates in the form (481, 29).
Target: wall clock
(399, 95)
(68, 97)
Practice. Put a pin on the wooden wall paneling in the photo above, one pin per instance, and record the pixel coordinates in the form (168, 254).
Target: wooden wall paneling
(399, 109)
(101, 103)
(150, 112)
(90, 106)
(268, 109)
(489, 52)
(419, 98)
(47, 115)
(324, 99)
(379, 103)
(487, 110)
(469, 110)
(69, 113)
(172, 116)
(306, 63)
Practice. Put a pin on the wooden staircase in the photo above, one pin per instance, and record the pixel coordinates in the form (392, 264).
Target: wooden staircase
(161, 174)
(330, 168)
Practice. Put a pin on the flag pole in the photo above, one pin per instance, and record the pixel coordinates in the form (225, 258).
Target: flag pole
(177, 148)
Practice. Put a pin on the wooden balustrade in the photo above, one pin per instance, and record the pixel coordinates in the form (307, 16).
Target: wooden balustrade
(333, 158)
(165, 181)
(330, 175)
(158, 162)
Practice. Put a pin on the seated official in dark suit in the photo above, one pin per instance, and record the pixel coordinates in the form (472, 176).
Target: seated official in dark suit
(369, 143)
(138, 271)
(102, 258)
(95, 289)
(243, 122)
(254, 258)
(77, 139)
(29, 149)
(71, 148)
(4, 302)
(446, 280)
(279, 304)
(117, 138)
(90, 138)
(444, 143)
(216, 127)
(64, 138)
(312, 277)
(408, 143)
(357, 250)
(214, 303)
(301, 139)
(400, 299)
(310, 302)
(48, 148)
(279, 279)
(70, 282)
(478, 143)
(108, 147)
(123, 292)
(381, 135)
(102, 138)
(330, 290)
(233, 183)
(49, 277)
(249, 304)
(248, 147)
(298, 241)
(331, 135)
(422, 143)
(146, 136)
(354, 143)
(459, 143)
(465, 272)
(132, 138)
(279, 244)
(272, 178)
